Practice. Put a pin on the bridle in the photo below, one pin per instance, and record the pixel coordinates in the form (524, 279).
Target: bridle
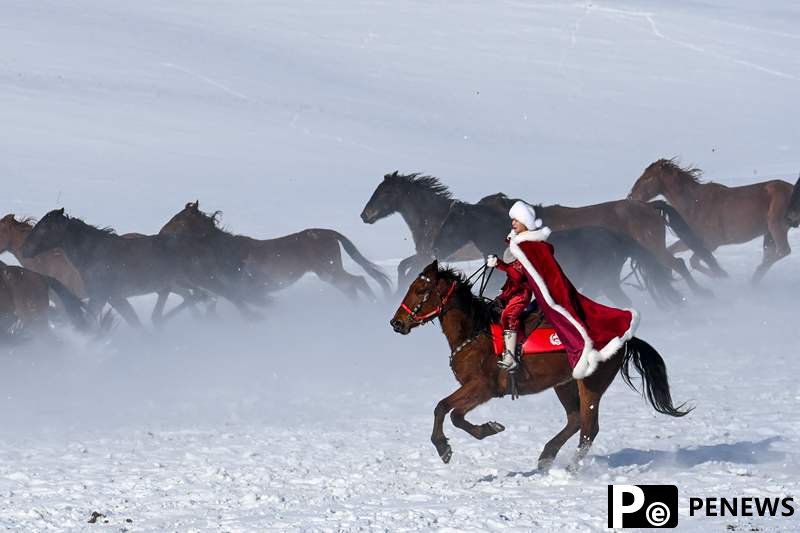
(437, 311)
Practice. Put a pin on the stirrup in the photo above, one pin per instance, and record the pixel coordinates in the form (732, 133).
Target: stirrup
(505, 366)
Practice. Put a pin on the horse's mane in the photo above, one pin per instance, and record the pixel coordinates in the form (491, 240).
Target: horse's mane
(690, 172)
(24, 221)
(422, 181)
(480, 311)
(107, 230)
(213, 218)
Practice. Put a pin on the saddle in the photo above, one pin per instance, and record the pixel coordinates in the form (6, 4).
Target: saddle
(536, 335)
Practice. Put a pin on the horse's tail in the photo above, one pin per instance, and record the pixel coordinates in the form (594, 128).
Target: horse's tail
(651, 367)
(73, 305)
(793, 211)
(656, 277)
(374, 271)
(676, 222)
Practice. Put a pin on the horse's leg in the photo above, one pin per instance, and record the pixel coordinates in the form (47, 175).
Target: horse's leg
(568, 395)
(95, 306)
(678, 265)
(677, 247)
(444, 406)
(590, 390)
(157, 316)
(126, 311)
(696, 263)
(466, 403)
(776, 246)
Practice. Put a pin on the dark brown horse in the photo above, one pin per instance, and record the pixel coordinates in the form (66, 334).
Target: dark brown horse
(52, 263)
(465, 319)
(721, 215)
(645, 223)
(423, 202)
(592, 256)
(282, 261)
(114, 268)
(30, 295)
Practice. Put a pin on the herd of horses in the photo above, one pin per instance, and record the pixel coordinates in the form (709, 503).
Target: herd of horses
(73, 269)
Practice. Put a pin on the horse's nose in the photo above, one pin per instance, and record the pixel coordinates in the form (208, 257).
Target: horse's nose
(366, 217)
(397, 326)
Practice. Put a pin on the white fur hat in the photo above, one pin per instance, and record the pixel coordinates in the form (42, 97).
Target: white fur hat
(525, 214)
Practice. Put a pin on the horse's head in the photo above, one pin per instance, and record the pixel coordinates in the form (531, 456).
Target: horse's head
(47, 234)
(424, 301)
(384, 200)
(453, 232)
(649, 184)
(191, 221)
(7, 224)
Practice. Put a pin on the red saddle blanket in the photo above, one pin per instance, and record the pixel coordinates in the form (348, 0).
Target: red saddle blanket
(542, 340)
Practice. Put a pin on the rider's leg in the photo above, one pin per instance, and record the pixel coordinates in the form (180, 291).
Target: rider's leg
(510, 321)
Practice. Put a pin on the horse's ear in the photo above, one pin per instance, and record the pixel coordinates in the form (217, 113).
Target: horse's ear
(61, 211)
(433, 267)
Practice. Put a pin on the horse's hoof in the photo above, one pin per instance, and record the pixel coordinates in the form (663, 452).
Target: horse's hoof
(544, 466)
(494, 428)
(446, 454)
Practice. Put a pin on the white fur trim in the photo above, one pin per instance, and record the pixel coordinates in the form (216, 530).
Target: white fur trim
(524, 213)
(590, 358)
(540, 234)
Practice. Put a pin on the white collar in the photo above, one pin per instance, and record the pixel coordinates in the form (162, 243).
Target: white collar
(540, 234)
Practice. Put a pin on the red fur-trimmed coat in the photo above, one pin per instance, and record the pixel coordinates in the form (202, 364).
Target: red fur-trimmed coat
(590, 332)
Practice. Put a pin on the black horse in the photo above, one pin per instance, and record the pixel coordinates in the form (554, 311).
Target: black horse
(592, 256)
(423, 202)
(114, 268)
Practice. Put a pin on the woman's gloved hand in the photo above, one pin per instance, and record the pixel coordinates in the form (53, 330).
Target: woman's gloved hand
(491, 261)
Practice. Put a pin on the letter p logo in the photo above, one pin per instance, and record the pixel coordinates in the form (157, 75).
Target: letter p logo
(618, 508)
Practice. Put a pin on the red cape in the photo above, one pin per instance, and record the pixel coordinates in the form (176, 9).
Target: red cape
(591, 332)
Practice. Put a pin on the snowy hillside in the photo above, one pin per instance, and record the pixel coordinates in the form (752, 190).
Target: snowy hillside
(285, 115)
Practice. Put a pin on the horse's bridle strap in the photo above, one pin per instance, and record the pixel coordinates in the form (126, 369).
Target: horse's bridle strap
(435, 312)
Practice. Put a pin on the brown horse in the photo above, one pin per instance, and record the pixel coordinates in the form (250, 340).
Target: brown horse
(465, 320)
(30, 295)
(719, 214)
(52, 263)
(645, 223)
(281, 262)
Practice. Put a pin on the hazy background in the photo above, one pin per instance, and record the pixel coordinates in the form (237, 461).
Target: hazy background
(286, 115)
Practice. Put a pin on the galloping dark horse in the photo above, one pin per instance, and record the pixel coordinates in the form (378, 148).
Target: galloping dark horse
(423, 202)
(722, 215)
(281, 262)
(114, 268)
(645, 223)
(465, 321)
(591, 256)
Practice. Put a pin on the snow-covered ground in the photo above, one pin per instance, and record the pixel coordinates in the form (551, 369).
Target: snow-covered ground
(285, 114)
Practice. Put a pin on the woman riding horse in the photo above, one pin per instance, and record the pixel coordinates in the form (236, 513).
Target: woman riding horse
(591, 332)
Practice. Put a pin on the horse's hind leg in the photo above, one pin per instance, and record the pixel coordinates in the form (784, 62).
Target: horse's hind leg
(590, 390)
(696, 263)
(126, 311)
(776, 247)
(678, 265)
(568, 395)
